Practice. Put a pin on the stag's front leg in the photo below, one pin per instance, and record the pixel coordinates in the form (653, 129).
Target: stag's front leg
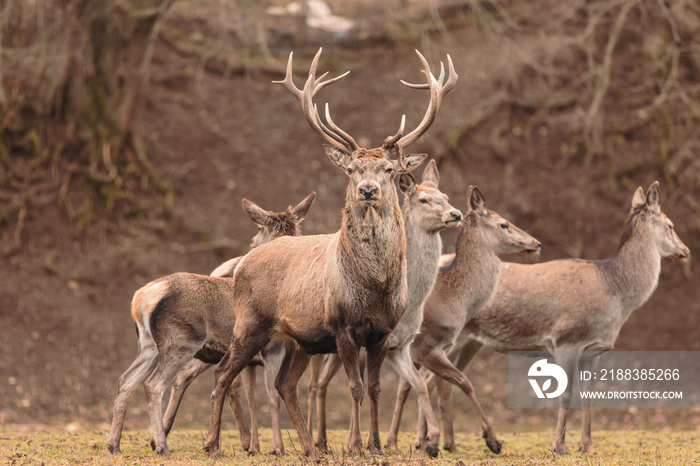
(349, 354)
(287, 382)
(375, 357)
(273, 355)
(331, 367)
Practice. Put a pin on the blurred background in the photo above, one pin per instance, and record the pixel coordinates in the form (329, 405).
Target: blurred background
(130, 131)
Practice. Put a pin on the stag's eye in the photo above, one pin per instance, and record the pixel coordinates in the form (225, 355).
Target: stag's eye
(350, 171)
(504, 226)
(389, 169)
(423, 201)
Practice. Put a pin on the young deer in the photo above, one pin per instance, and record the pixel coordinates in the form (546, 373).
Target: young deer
(185, 316)
(270, 226)
(461, 288)
(426, 212)
(335, 292)
(573, 305)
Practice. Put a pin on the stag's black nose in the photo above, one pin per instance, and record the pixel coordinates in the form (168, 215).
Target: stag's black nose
(456, 216)
(368, 193)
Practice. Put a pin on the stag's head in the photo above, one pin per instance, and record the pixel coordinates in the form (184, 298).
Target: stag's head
(272, 225)
(428, 206)
(371, 171)
(646, 211)
(503, 236)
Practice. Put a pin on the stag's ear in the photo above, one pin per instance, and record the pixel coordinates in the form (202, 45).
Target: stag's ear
(410, 163)
(476, 199)
(638, 199)
(256, 213)
(339, 158)
(407, 184)
(431, 174)
(301, 209)
(654, 198)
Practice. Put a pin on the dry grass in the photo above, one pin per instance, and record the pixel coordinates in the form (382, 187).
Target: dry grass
(614, 448)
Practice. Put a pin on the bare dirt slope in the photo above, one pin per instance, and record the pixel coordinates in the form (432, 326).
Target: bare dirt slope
(66, 333)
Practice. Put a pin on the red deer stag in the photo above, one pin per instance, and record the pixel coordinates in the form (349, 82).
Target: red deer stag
(572, 305)
(460, 289)
(426, 212)
(336, 292)
(185, 316)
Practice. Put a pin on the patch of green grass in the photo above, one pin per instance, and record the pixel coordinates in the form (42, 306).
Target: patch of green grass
(616, 448)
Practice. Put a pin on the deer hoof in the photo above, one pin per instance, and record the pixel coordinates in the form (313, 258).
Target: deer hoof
(587, 449)
(559, 449)
(212, 451)
(163, 451)
(153, 444)
(494, 445)
(432, 451)
(114, 449)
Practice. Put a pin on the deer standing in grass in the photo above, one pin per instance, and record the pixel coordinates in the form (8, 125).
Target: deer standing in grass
(270, 226)
(336, 292)
(183, 318)
(426, 212)
(461, 289)
(573, 305)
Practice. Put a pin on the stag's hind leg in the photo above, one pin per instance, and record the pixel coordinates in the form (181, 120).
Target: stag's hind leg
(566, 360)
(586, 444)
(287, 383)
(139, 370)
(331, 367)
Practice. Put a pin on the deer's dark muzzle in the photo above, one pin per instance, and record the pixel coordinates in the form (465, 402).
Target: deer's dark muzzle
(368, 193)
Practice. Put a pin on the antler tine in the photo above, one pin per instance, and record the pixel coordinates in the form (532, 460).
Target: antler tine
(335, 137)
(288, 81)
(438, 89)
(339, 132)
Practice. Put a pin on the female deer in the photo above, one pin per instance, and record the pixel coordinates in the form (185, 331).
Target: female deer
(185, 316)
(336, 292)
(426, 212)
(574, 305)
(461, 288)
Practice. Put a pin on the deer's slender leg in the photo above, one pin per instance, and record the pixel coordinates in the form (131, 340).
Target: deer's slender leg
(375, 357)
(330, 368)
(586, 444)
(287, 383)
(401, 360)
(169, 364)
(141, 368)
(349, 355)
(436, 360)
(249, 384)
(241, 351)
(566, 360)
(235, 395)
(183, 380)
(273, 355)
(314, 376)
(461, 357)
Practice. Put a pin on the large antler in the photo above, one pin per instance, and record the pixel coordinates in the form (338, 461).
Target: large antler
(333, 135)
(438, 89)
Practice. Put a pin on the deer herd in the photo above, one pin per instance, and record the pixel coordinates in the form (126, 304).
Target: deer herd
(381, 282)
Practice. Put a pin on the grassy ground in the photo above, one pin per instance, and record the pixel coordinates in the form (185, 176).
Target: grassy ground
(614, 448)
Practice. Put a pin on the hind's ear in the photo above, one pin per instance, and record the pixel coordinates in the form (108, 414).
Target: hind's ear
(256, 213)
(476, 199)
(431, 174)
(301, 209)
(638, 199)
(654, 198)
(407, 184)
